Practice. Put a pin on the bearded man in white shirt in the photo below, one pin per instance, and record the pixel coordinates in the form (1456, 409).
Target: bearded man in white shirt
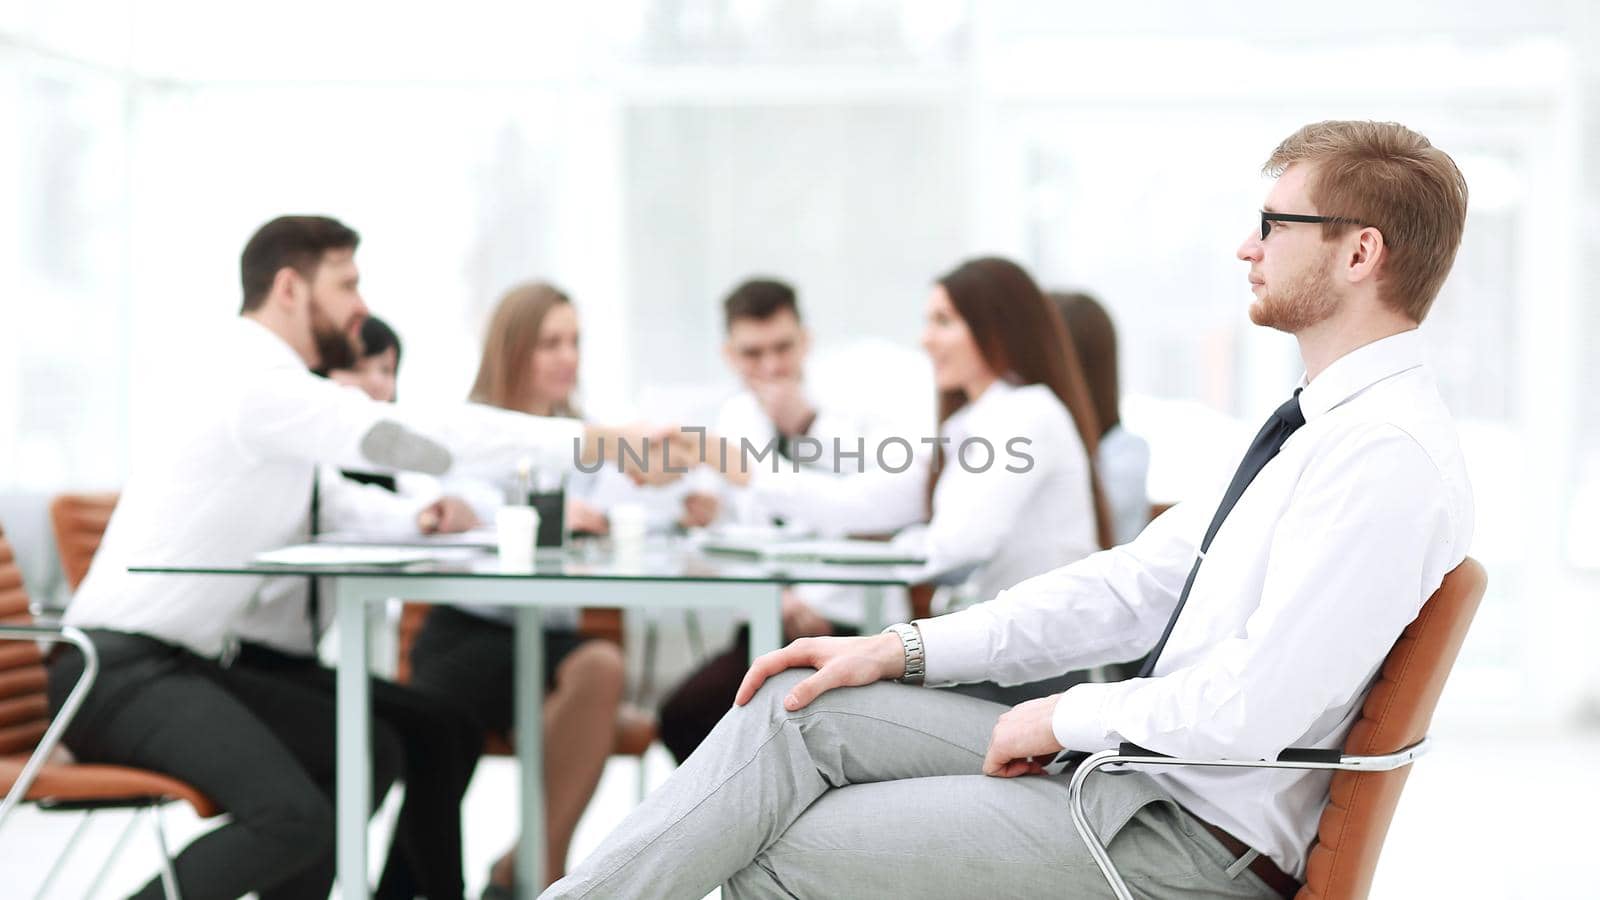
(1266, 609)
(231, 476)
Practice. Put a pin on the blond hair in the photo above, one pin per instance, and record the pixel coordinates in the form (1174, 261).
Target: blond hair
(1388, 177)
(504, 376)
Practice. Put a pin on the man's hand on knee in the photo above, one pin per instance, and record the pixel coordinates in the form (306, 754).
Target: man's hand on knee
(1023, 742)
(839, 661)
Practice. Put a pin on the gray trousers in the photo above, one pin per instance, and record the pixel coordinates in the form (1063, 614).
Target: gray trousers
(877, 792)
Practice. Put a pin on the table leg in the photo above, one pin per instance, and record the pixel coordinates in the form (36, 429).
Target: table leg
(530, 750)
(766, 620)
(354, 753)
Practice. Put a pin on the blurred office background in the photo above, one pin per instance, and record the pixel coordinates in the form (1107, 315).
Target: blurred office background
(648, 155)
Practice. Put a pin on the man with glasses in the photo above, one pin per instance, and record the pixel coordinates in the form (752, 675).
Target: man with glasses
(1265, 610)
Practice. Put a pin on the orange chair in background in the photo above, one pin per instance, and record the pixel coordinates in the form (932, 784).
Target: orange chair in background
(79, 522)
(1371, 771)
(33, 769)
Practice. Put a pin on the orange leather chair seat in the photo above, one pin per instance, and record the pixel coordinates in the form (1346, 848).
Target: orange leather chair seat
(81, 781)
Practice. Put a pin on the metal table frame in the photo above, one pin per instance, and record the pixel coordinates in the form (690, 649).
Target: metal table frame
(355, 595)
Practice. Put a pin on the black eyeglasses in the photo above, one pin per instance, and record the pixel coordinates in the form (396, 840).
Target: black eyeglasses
(1267, 218)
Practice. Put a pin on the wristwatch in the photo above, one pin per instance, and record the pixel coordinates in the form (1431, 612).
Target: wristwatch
(911, 640)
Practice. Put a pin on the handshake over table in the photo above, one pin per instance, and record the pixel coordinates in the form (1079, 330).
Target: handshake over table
(648, 454)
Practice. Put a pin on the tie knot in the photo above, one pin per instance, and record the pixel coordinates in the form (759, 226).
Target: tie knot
(1290, 412)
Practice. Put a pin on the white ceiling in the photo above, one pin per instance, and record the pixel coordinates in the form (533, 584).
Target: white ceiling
(511, 42)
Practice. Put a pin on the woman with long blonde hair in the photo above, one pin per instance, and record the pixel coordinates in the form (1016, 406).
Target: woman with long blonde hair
(465, 654)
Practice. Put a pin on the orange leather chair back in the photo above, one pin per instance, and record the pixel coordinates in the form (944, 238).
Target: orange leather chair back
(24, 711)
(79, 521)
(1395, 715)
(25, 715)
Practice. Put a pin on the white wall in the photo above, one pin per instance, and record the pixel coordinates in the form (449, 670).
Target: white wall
(649, 158)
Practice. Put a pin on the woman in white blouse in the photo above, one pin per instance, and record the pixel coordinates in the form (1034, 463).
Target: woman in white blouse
(464, 654)
(1008, 488)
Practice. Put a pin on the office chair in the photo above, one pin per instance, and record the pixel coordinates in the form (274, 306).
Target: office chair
(31, 769)
(79, 522)
(1371, 771)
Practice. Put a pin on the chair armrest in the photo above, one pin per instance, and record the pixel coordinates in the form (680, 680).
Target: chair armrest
(1292, 758)
(52, 633)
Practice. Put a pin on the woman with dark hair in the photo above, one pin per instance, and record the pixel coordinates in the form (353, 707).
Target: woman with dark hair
(464, 654)
(1009, 488)
(1123, 457)
(379, 365)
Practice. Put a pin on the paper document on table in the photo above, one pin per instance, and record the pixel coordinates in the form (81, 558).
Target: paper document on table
(345, 555)
(842, 551)
(483, 538)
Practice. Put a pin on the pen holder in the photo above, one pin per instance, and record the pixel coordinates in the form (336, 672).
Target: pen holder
(552, 508)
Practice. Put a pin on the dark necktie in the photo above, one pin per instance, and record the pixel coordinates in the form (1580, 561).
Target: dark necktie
(1284, 422)
(313, 597)
(785, 450)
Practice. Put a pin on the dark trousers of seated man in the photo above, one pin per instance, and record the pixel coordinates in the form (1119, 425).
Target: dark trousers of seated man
(257, 736)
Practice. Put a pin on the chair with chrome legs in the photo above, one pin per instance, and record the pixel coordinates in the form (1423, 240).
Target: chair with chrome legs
(34, 770)
(79, 522)
(1372, 769)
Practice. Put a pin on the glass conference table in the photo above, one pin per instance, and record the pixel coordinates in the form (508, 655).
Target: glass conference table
(659, 573)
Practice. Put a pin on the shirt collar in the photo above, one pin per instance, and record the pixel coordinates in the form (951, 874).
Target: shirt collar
(1358, 370)
(272, 347)
(999, 388)
(956, 428)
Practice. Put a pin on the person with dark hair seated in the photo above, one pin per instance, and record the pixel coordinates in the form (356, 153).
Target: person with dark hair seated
(1124, 457)
(767, 345)
(1007, 386)
(227, 478)
(426, 742)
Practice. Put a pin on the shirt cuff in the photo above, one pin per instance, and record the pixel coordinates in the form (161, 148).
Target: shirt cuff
(955, 649)
(1078, 722)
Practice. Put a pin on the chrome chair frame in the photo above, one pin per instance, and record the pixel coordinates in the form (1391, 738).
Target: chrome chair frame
(55, 634)
(1292, 758)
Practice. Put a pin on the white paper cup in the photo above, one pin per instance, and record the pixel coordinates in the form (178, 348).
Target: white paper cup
(517, 530)
(627, 521)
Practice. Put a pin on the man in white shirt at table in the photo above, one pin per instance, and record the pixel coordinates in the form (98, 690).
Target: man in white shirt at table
(1351, 506)
(228, 477)
(767, 345)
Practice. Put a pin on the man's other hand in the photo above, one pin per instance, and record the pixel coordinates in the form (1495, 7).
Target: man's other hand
(1023, 742)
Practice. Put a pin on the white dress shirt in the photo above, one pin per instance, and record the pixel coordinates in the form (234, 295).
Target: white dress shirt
(1124, 463)
(1329, 554)
(996, 525)
(230, 476)
(742, 418)
(279, 614)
